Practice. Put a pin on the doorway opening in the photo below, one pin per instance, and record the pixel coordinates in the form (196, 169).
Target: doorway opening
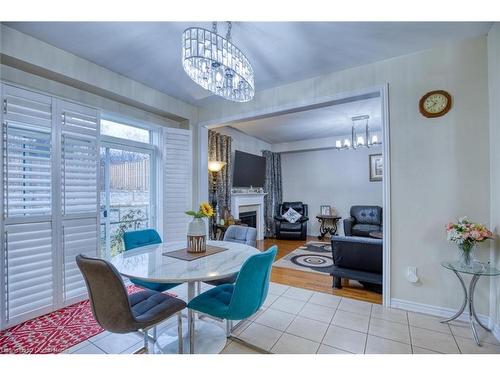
(310, 154)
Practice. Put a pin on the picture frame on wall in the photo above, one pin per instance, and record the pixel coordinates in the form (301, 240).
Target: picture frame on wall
(325, 210)
(376, 167)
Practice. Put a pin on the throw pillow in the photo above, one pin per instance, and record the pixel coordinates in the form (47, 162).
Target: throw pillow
(291, 215)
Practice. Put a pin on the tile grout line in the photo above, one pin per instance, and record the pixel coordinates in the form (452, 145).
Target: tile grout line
(409, 332)
(368, 328)
(454, 339)
(329, 324)
(282, 333)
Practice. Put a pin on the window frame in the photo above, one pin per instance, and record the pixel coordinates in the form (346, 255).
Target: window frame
(151, 148)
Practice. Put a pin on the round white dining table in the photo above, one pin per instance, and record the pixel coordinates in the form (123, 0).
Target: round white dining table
(149, 263)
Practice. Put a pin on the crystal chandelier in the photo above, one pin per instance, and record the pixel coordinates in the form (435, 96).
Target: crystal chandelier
(216, 64)
(358, 140)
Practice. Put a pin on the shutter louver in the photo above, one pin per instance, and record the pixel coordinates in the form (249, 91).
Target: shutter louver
(79, 192)
(29, 270)
(79, 237)
(27, 153)
(177, 183)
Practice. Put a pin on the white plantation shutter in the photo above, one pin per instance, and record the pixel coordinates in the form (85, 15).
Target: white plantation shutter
(49, 159)
(79, 192)
(177, 183)
(27, 151)
(29, 270)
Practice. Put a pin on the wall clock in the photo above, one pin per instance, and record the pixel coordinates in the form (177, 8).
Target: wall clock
(435, 103)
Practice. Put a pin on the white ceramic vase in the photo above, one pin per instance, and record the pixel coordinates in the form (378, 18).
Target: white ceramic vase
(197, 236)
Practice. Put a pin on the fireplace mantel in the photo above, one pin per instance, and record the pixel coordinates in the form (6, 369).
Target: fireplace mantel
(250, 199)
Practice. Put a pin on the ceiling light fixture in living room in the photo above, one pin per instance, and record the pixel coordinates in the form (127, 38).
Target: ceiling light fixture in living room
(358, 140)
(216, 64)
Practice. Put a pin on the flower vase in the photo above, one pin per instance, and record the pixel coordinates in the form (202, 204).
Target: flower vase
(467, 258)
(197, 236)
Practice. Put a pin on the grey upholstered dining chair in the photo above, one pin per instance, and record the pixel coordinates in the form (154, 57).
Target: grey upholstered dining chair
(239, 234)
(118, 312)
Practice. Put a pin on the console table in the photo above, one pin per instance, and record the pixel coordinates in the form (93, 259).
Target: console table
(477, 270)
(328, 225)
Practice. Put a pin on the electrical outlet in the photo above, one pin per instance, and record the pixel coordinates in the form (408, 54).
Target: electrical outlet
(412, 275)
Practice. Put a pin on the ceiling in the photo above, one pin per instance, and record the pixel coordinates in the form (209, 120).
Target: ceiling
(280, 52)
(331, 121)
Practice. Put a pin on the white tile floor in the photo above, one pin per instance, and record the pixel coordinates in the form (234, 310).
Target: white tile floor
(299, 321)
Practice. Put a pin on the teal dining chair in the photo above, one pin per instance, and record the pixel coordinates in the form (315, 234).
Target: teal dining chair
(236, 301)
(144, 237)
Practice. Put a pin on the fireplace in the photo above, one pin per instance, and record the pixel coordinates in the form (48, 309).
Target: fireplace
(249, 218)
(251, 204)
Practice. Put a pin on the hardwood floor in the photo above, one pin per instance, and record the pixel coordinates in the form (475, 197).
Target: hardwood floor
(310, 280)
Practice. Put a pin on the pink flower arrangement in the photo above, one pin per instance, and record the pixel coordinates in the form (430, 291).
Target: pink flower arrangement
(465, 232)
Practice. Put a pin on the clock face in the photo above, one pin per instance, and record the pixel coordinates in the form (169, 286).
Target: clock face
(435, 103)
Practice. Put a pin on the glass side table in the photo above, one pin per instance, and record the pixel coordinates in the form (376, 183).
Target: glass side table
(477, 270)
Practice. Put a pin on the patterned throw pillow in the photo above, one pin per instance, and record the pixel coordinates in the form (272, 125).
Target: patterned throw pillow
(291, 215)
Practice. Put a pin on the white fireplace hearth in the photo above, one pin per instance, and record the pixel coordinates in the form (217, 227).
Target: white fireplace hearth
(251, 201)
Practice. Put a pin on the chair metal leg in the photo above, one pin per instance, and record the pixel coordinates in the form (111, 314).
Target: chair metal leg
(247, 344)
(229, 327)
(191, 331)
(146, 341)
(180, 338)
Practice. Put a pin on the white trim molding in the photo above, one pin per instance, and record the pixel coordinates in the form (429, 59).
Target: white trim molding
(444, 312)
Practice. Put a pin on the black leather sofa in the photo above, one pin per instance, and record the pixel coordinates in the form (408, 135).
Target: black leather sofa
(291, 231)
(357, 258)
(363, 220)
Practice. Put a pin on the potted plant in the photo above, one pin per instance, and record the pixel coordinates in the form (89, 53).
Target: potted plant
(197, 230)
(467, 235)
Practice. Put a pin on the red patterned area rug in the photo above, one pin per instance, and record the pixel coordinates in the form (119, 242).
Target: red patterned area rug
(54, 332)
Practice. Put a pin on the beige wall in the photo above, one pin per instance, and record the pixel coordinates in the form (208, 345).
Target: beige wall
(440, 167)
(494, 92)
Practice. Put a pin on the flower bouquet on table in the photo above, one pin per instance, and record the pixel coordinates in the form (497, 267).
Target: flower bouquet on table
(467, 235)
(197, 230)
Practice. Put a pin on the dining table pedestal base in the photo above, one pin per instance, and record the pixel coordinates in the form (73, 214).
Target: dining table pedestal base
(210, 338)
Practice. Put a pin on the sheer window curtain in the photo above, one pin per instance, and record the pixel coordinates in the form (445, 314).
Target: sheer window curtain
(274, 189)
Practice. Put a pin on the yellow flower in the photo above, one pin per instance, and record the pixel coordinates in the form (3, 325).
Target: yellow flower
(206, 209)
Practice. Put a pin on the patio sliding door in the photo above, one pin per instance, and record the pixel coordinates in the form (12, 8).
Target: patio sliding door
(126, 194)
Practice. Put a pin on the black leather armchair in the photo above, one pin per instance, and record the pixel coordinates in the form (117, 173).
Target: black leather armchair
(357, 258)
(287, 230)
(363, 220)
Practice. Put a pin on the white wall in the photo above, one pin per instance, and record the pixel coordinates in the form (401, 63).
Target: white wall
(494, 92)
(439, 167)
(244, 142)
(336, 178)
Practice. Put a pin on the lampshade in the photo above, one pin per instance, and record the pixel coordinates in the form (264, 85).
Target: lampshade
(216, 166)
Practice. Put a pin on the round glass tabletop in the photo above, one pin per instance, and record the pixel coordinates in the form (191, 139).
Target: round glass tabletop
(477, 268)
(150, 263)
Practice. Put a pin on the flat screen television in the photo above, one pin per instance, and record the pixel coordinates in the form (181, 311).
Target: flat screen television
(249, 170)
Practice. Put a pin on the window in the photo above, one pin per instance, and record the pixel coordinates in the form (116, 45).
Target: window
(127, 194)
(119, 130)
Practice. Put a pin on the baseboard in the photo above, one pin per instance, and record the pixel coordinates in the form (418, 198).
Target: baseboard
(441, 312)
